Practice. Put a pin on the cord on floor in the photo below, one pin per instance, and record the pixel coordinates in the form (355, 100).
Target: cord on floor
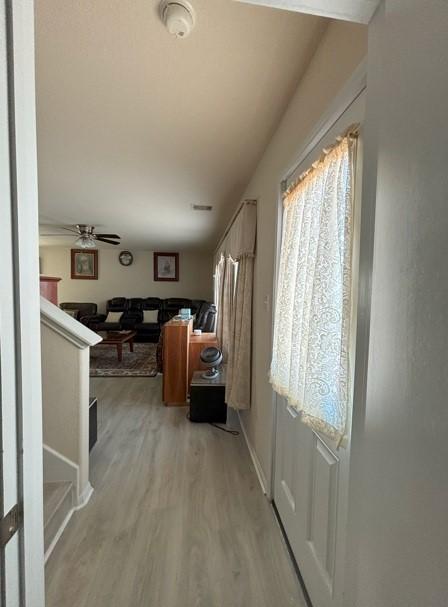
(228, 430)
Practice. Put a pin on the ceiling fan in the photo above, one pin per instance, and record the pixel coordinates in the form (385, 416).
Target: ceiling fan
(87, 236)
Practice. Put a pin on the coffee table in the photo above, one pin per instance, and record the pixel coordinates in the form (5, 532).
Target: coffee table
(118, 338)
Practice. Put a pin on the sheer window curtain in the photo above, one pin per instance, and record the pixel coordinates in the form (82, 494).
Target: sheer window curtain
(310, 361)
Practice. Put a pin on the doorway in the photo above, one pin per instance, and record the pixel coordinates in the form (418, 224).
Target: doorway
(311, 474)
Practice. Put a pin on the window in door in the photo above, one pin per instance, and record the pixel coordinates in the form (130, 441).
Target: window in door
(310, 360)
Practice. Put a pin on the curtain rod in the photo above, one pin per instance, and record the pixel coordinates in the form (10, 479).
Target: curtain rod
(233, 219)
(324, 130)
(351, 133)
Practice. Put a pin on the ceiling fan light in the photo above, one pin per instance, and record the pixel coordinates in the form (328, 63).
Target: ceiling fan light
(85, 241)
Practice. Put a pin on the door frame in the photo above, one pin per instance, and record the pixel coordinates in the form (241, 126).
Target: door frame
(353, 88)
(18, 56)
(350, 93)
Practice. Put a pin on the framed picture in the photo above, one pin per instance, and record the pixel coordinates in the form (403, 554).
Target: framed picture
(85, 264)
(166, 266)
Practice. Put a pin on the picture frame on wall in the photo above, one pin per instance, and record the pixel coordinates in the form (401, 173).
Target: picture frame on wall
(166, 266)
(84, 264)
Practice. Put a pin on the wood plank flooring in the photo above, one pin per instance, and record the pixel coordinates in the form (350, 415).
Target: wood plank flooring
(177, 518)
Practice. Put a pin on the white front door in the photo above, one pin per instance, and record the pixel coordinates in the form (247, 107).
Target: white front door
(21, 537)
(311, 473)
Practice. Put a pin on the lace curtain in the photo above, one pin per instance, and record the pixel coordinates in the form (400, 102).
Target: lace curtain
(310, 361)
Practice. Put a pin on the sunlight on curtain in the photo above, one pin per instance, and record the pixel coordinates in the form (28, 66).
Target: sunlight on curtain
(310, 361)
(224, 299)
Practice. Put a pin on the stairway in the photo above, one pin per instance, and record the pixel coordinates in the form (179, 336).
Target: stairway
(58, 504)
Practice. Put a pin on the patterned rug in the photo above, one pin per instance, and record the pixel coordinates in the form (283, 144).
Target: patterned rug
(140, 363)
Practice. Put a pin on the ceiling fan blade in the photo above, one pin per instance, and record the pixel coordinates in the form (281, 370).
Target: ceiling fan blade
(114, 236)
(61, 235)
(69, 230)
(105, 240)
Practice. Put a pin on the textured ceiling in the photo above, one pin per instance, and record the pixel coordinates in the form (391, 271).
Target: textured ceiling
(135, 126)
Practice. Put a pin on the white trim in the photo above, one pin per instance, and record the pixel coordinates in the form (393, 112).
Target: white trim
(58, 535)
(278, 242)
(62, 323)
(59, 468)
(348, 94)
(63, 469)
(256, 462)
(357, 11)
(58, 455)
(17, 55)
(84, 498)
(82, 502)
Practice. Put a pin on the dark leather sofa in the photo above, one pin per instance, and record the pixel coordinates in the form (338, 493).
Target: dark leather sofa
(132, 317)
(80, 311)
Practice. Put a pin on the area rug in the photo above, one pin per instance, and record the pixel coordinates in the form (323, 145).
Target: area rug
(140, 363)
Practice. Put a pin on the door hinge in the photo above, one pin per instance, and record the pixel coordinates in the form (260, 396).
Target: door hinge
(10, 524)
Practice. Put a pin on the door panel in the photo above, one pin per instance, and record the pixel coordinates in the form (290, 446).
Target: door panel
(21, 560)
(310, 473)
(10, 591)
(310, 502)
(322, 508)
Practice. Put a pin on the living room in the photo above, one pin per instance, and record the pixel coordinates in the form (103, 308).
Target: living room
(128, 292)
(136, 279)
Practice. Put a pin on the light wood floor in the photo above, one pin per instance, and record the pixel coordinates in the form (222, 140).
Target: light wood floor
(177, 518)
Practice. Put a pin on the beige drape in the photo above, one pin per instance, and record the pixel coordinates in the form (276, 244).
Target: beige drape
(241, 244)
(224, 291)
(238, 384)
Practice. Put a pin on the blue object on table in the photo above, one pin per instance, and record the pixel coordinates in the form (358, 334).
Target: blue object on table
(185, 313)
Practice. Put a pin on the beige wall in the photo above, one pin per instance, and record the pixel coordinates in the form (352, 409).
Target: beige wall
(115, 280)
(399, 445)
(342, 49)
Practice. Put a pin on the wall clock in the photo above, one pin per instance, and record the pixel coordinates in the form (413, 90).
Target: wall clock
(126, 258)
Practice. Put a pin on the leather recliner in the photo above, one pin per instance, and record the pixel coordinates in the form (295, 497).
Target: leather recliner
(172, 306)
(206, 318)
(82, 311)
(116, 304)
(149, 331)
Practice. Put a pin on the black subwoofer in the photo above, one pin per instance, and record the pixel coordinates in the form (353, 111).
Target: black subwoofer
(207, 400)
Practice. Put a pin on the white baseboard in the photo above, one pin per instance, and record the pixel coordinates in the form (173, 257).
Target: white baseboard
(256, 462)
(84, 498)
(82, 502)
(57, 537)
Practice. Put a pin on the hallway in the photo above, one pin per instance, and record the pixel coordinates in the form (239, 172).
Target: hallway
(177, 518)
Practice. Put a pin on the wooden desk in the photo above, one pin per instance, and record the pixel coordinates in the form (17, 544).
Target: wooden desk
(181, 358)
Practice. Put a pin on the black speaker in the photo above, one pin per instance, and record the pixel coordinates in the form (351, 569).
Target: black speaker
(207, 403)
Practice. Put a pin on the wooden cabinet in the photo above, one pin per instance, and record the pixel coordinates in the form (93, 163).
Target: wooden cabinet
(49, 288)
(181, 358)
(197, 344)
(176, 334)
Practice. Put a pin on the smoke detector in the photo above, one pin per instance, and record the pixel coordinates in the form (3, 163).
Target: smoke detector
(178, 17)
